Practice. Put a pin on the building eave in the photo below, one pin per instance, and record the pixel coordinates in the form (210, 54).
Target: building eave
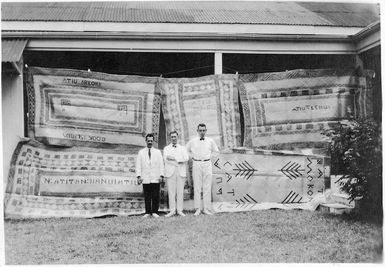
(173, 36)
(368, 38)
(369, 30)
(175, 28)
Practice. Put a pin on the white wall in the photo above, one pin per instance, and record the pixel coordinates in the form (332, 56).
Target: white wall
(12, 115)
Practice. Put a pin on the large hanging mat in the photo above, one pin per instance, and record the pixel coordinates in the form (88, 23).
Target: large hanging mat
(267, 179)
(288, 110)
(73, 182)
(73, 107)
(212, 100)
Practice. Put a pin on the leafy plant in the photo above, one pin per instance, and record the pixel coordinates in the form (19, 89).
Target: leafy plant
(356, 154)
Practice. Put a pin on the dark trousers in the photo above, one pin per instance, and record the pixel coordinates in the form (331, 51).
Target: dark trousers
(151, 197)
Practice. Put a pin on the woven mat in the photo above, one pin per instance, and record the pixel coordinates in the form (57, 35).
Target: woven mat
(251, 178)
(212, 100)
(284, 110)
(73, 107)
(78, 182)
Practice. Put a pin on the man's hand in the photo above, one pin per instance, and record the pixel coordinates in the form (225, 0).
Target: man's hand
(140, 180)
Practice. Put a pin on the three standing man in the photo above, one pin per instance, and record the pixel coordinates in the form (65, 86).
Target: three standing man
(150, 171)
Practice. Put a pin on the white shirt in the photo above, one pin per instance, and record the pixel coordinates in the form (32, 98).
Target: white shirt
(149, 170)
(201, 149)
(180, 154)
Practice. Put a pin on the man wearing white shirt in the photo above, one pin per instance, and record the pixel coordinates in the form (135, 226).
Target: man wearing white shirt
(150, 171)
(201, 149)
(175, 158)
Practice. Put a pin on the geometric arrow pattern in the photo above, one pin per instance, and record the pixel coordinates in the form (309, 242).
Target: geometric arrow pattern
(216, 164)
(292, 170)
(308, 165)
(291, 198)
(266, 179)
(245, 201)
(244, 169)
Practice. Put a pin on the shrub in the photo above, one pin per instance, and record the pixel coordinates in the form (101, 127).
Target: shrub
(356, 154)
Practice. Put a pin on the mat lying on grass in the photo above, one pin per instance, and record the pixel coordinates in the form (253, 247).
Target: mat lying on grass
(267, 179)
(77, 182)
(73, 107)
(212, 100)
(285, 110)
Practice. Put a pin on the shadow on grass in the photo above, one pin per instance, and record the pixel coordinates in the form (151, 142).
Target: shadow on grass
(104, 216)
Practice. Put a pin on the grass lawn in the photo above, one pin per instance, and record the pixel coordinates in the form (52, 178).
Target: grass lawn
(251, 237)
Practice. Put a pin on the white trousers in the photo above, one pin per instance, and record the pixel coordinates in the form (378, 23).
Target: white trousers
(175, 185)
(202, 177)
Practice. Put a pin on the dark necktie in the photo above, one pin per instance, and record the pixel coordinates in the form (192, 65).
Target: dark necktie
(174, 146)
(202, 138)
(149, 153)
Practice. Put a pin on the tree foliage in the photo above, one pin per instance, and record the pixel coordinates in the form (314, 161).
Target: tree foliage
(356, 154)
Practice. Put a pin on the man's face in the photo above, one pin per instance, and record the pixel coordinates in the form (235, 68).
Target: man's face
(201, 131)
(174, 138)
(149, 141)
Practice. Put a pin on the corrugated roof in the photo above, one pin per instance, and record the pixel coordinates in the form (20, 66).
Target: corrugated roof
(349, 14)
(11, 50)
(227, 12)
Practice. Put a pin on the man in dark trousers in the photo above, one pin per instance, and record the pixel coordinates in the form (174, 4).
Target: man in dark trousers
(150, 172)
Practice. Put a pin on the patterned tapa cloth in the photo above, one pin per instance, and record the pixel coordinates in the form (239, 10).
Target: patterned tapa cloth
(73, 107)
(288, 110)
(100, 115)
(247, 180)
(212, 100)
(73, 182)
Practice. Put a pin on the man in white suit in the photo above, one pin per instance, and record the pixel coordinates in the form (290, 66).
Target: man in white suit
(175, 158)
(201, 149)
(150, 171)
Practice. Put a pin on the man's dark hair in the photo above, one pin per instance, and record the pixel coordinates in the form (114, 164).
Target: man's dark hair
(174, 132)
(149, 135)
(201, 125)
